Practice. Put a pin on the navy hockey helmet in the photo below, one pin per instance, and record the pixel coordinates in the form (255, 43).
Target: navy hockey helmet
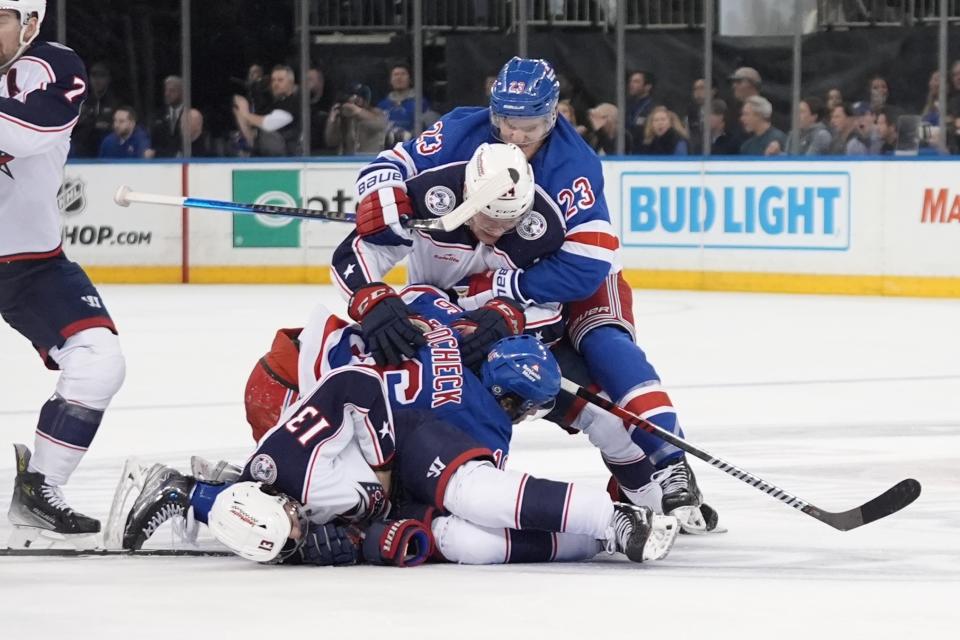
(526, 91)
(521, 369)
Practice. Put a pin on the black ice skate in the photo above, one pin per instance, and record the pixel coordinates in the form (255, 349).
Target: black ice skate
(640, 534)
(165, 495)
(38, 510)
(681, 495)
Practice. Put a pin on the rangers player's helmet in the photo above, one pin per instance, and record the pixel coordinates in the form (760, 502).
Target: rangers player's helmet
(491, 159)
(526, 90)
(520, 369)
(257, 523)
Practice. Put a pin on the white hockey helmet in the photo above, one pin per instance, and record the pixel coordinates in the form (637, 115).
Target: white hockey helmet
(255, 522)
(25, 8)
(490, 159)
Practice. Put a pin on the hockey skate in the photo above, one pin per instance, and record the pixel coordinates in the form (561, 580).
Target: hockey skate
(206, 471)
(640, 534)
(165, 495)
(682, 497)
(41, 517)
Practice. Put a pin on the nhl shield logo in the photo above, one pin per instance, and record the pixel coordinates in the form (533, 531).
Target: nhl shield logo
(264, 469)
(71, 197)
(532, 227)
(439, 200)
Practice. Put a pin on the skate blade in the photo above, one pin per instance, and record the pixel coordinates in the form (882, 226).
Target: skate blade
(23, 537)
(132, 478)
(663, 534)
(691, 519)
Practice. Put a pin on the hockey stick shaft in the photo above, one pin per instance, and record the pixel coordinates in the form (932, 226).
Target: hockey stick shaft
(891, 501)
(125, 196)
(495, 187)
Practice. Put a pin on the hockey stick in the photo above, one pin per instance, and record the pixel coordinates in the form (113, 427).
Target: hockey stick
(495, 187)
(74, 553)
(890, 501)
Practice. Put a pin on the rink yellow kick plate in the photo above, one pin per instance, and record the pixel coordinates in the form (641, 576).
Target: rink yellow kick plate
(637, 278)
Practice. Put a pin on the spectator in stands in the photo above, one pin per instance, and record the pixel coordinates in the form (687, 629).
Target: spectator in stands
(952, 118)
(813, 138)
(879, 93)
(846, 136)
(887, 129)
(488, 83)
(128, 140)
(603, 134)
(640, 85)
(931, 107)
(693, 121)
(720, 142)
(399, 103)
(318, 113)
(866, 126)
(765, 139)
(664, 134)
(355, 126)
(745, 83)
(258, 89)
(834, 97)
(277, 133)
(165, 132)
(96, 114)
(565, 109)
(200, 146)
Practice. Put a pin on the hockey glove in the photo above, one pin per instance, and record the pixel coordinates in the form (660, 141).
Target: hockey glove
(381, 214)
(479, 329)
(385, 322)
(401, 543)
(328, 545)
(503, 283)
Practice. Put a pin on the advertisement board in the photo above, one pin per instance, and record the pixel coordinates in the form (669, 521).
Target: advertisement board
(868, 227)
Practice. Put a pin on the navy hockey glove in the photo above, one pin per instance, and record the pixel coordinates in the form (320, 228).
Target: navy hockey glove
(401, 543)
(328, 545)
(385, 321)
(479, 329)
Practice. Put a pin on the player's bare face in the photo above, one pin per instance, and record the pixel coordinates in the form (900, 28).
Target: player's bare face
(9, 35)
(526, 133)
(488, 230)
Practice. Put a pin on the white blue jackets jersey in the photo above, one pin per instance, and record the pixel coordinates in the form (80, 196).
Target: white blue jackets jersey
(40, 98)
(435, 381)
(566, 169)
(447, 258)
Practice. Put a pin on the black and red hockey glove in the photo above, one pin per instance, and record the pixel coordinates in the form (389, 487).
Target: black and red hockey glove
(401, 543)
(480, 328)
(385, 322)
(381, 214)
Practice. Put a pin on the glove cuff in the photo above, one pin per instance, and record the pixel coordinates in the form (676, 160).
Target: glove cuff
(512, 312)
(384, 178)
(402, 543)
(506, 284)
(366, 298)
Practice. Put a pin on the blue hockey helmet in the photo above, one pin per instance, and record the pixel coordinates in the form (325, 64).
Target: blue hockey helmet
(522, 374)
(523, 101)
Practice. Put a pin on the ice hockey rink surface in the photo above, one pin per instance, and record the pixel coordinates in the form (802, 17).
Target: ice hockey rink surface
(832, 398)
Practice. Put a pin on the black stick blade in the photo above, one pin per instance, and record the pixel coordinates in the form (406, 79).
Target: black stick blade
(890, 501)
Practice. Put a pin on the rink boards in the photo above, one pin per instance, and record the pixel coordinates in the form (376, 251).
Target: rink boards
(887, 227)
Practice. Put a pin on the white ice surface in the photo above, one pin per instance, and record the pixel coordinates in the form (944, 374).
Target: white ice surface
(832, 398)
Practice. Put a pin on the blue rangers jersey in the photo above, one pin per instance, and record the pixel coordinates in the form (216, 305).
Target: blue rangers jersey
(40, 98)
(435, 381)
(566, 169)
(447, 258)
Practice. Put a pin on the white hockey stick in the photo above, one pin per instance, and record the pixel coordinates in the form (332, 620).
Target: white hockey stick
(498, 185)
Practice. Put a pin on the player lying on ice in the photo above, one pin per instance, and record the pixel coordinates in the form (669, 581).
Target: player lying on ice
(548, 241)
(342, 478)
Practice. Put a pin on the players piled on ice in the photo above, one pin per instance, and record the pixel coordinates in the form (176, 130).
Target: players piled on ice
(44, 296)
